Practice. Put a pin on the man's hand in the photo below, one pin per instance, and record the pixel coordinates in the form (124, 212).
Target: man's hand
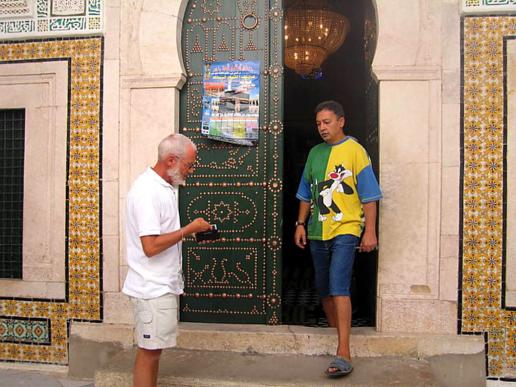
(368, 242)
(197, 225)
(300, 233)
(300, 237)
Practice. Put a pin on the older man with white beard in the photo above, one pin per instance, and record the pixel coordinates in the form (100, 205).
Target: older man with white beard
(154, 237)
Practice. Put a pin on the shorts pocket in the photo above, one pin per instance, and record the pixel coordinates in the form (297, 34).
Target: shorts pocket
(145, 316)
(166, 318)
(145, 322)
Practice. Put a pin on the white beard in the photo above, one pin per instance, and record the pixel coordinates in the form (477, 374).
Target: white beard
(176, 177)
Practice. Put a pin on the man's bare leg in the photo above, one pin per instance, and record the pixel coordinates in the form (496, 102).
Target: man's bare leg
(339, 309)
(329, 311)
(343, 312)
(146, 365)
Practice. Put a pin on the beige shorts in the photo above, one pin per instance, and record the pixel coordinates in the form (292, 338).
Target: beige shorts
(156, 321)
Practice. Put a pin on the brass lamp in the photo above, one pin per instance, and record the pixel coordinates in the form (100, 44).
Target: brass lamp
(312, 32)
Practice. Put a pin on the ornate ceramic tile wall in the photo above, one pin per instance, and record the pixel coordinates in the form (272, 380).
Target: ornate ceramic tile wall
(26, 18)
(36, 330)
(482, 294)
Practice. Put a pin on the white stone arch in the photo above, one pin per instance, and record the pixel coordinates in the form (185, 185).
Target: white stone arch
(408, 64)
(181, 10)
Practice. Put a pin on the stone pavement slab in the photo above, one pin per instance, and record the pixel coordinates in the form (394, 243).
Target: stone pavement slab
(187, 368)
(20, 377)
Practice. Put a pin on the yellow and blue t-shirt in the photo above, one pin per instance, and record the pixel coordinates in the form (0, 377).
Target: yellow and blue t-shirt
(337, 179)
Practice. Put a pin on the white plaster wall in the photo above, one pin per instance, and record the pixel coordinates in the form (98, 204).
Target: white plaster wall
(409, 33)
(151, 36)
(418, 67)
(40, 89)
(510, 279)
(450, 195)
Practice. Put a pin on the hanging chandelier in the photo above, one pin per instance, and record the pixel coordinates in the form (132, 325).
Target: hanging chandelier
(312, 32)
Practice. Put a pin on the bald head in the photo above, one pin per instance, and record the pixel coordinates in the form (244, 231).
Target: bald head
(174, 145)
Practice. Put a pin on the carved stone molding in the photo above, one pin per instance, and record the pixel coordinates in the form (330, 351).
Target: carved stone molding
(68, 7)
(35, 18)
(488, 6)
(16, 8)
(407, 73)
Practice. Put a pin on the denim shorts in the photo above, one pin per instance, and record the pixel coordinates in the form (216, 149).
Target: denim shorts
(333, 263)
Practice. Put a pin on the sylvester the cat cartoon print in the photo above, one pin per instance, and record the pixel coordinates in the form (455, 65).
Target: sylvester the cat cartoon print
(326, 188)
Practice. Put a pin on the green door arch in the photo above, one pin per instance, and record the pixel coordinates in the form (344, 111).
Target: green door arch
(238, 278)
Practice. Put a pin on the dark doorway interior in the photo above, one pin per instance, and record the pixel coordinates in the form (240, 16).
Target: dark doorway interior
(347, 79)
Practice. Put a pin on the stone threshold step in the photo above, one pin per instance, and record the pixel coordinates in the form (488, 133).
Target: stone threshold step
(292, 339)
(180, 367)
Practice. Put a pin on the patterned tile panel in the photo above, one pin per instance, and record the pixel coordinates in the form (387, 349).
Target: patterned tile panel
(50, 17)
(21, 318)
(482, 292)
(33, 331)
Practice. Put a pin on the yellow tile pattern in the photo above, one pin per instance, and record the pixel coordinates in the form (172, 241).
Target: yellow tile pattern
(482, 196)
(83, 258)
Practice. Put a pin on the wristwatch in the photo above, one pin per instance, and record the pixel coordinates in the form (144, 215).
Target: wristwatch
(298, 223)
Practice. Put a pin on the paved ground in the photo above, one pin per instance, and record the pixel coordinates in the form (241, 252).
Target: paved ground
(21, 377)
(187, 368)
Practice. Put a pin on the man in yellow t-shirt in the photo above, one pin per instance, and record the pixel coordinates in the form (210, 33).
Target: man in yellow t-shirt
(339, 191)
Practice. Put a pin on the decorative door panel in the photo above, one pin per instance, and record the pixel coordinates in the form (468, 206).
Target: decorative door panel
(238, 278)
(216, 160)
(238, 217)
(226, 282)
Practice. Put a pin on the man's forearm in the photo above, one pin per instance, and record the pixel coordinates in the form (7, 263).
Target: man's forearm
(370, 216)
(304, 210)
(155, 244)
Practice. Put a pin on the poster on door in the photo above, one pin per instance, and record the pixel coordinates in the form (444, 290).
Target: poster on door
(230, 102)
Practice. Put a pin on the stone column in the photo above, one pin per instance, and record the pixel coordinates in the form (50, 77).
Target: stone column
(151, 75)
(408, 66)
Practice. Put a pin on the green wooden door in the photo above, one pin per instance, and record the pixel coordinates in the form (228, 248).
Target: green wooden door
(236, 279)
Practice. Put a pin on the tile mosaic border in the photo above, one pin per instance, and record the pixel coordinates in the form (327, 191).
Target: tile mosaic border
(83, 251)
(505, 124)
(43, 22)
(483, 131)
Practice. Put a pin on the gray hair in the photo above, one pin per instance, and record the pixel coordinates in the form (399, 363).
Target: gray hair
(332, 106)
(175, 145)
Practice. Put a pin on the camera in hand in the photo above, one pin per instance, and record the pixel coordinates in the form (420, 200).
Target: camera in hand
(209, 235)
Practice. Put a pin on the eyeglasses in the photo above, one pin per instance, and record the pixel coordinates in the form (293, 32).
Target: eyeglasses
(189, 165)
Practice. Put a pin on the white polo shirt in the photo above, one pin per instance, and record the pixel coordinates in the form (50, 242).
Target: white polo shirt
(152, 210)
